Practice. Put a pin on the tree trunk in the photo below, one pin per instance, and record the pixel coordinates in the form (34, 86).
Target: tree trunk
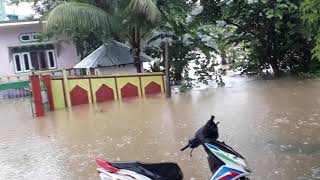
(223, 57)
(167, 69)
(136, 48)
(177, 76)
(79, 47)
(274, 46)
(275, 67)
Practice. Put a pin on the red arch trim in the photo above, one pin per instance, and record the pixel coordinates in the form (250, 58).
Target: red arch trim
(104, 94)
(152, 88)
(129, 90)
(79, 96)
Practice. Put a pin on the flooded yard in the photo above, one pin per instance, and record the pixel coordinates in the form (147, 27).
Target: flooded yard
(274, 124)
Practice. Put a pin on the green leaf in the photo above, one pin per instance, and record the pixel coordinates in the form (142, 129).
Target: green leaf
(148, 8)
(270, 13)
(269, 16)
(283, 6)
(72, 17)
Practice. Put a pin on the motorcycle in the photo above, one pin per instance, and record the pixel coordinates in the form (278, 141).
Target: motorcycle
(224, 162)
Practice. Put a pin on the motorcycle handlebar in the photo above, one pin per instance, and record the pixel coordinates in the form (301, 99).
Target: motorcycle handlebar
(208, 131)
(184, 148)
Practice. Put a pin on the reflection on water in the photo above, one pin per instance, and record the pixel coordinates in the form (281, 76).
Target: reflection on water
(274, 124)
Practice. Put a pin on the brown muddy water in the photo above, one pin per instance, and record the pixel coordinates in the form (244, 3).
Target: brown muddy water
(274, 124)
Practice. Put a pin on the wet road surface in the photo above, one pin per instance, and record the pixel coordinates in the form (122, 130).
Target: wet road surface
(274, 124)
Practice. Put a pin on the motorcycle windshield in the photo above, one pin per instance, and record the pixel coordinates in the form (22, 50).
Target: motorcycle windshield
(224, 147)
(226, 154)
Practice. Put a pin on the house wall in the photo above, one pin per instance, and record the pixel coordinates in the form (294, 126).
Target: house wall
(66, 54)
(127, 69)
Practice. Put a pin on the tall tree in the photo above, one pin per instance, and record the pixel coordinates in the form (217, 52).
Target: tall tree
(126, 19)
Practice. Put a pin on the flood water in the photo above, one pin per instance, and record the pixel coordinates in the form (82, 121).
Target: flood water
(275, 124)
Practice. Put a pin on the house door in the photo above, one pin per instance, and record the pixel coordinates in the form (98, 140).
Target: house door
(34, 60)
(38, 60)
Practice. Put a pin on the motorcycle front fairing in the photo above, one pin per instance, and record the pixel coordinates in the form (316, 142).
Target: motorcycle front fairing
(225, 163)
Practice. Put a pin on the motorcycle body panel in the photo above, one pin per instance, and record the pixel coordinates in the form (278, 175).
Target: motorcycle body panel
(234, 166)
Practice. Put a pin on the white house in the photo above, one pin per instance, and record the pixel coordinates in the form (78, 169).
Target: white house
(21, 51)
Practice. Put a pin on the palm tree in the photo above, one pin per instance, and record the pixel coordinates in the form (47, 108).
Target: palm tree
(129, 19)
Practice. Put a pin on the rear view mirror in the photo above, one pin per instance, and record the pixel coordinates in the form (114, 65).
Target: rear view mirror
(211, 130)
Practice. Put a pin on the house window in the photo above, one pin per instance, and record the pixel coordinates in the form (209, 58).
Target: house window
(51, 59)
(29, 37)
(17, 63)
(25, 38)
(35, 60)
(26, 61)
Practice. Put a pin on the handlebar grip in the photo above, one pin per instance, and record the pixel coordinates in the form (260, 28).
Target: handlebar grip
(184, 148)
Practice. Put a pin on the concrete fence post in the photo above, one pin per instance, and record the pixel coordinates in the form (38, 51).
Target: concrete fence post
(66, 87)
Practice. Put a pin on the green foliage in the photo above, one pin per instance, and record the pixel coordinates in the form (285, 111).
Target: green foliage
(147, 8)
(204, 69)
(180, 56)
(270, 31)
(316, 49)
(220, 37)
(155, 67)
(187, 83)
(86, 43)
(186, 86)
(311, 10)
(64, 20)
(314, 71)
(182, 53)
(186, 44)
(245, 66)
(311, 15)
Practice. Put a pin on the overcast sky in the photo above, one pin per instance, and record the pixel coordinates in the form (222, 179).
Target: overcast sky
(23, 9)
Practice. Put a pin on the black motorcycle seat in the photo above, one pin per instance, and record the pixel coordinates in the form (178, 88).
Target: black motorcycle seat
(158, 171)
